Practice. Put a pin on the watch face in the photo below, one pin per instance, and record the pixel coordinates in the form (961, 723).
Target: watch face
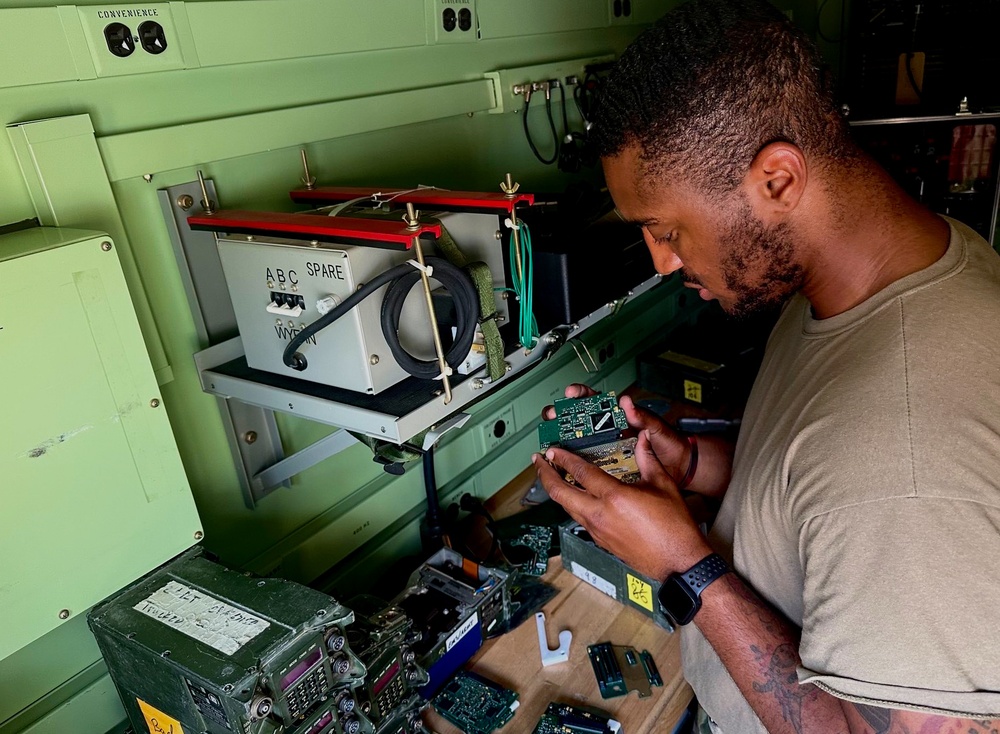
(677, 601)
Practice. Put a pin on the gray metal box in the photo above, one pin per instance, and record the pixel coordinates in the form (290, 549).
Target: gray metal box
(351, 353)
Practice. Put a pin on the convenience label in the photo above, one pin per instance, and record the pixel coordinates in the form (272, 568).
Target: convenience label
(639, 592)
(692, 391)
(157, 721)
(594, 580)
(202, 617)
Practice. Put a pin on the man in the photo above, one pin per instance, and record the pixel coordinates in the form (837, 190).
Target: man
(861, 522)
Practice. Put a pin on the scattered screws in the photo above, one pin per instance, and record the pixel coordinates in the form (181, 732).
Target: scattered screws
(185, 201)
(198, 535)
(64, 614)
(154, 403)
(250, 437)
(106, 246)
(147, 177)
(373, 360)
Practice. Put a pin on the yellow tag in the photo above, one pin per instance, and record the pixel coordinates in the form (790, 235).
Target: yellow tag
(692, 391)
(639, 592)
(158, 722)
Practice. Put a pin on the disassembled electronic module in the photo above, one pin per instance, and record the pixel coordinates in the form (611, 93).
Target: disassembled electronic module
(621, 669)
(561, 718)
(595, 429)
(199, 647)
(535, 542)
(475, 705)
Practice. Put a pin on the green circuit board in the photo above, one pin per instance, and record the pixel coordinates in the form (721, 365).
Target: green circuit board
(561, 718)
(582, 422)
(538, 539)
(474, 704)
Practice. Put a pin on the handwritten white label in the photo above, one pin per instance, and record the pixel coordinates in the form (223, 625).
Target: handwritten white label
(594, 580)
(461, 632)
(202, 617)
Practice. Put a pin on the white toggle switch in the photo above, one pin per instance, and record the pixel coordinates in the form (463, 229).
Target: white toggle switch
(283, 310)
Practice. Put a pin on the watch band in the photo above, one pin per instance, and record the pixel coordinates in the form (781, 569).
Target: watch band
(680, 593)
(704, 572)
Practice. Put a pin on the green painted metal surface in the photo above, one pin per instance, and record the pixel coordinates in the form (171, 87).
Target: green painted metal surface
(422, 138)
(133, 154)
(68, 186)
(92, 479)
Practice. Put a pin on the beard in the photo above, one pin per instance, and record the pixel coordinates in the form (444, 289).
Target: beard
(758, 264)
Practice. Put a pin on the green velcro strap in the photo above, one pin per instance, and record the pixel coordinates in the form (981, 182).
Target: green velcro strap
(482, 279)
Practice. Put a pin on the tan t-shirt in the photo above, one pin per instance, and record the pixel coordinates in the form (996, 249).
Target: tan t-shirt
(865, 499)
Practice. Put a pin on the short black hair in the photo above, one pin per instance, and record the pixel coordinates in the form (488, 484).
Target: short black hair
(711, 84)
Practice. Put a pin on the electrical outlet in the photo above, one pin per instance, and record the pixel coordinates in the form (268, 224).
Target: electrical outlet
(620, 12)
(605, 352)
(452, 21)
(635, 12)
(131, 39)
(497, 428)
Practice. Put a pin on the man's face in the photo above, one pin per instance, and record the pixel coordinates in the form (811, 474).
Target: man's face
(718, 244)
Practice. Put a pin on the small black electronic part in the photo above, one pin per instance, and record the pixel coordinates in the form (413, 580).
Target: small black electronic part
(620, 669)
(649, 667)
(562, 718)
(474, 704)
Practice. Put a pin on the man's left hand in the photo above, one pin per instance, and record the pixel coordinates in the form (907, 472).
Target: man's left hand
(646, 524)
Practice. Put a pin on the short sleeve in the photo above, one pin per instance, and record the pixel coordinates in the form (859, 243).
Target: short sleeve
(901, 604)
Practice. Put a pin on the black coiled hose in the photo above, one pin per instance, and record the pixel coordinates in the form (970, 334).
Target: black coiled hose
(401, 279)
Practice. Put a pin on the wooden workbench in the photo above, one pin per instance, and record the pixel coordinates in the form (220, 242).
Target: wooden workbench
(514, 660)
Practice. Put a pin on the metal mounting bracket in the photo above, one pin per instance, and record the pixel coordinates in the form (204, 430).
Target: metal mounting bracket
(251, 431)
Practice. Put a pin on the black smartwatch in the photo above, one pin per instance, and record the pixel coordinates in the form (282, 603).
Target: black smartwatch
(680, 594)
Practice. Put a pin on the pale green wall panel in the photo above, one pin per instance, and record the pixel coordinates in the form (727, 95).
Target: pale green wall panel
(296, 530)
(276, 29)
(135, 154)
(20, 25)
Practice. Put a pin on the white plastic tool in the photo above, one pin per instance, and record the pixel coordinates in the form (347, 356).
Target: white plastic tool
(549, 656)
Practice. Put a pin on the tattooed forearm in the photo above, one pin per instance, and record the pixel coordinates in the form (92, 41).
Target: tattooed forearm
(879, 719)
(781, 681)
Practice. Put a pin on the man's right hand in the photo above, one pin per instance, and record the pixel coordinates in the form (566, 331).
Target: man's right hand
(671, 449)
